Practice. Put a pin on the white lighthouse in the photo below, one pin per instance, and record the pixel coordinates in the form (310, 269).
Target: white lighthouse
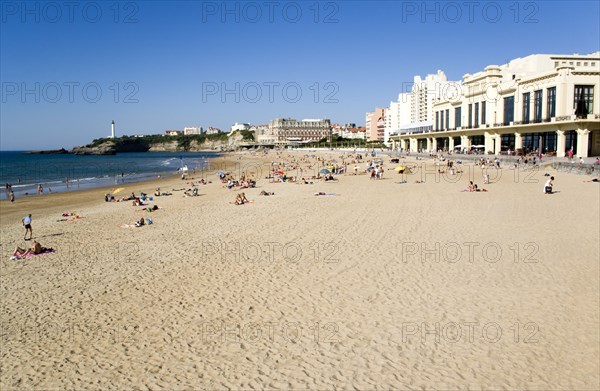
(112, 129)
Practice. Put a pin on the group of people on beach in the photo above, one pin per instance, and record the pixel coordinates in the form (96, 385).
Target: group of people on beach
(35, 249)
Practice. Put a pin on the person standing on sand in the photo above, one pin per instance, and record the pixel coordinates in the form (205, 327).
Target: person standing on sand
(27, 224)
(12, 196)
(40, 189)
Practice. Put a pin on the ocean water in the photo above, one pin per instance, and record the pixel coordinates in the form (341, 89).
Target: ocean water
(59, 173)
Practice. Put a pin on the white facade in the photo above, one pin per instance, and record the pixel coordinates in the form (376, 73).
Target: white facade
(398, 115)
(354, 134)
(540, 103)
(212, 130)
(192, 130)
(239, 127)
(424, 93)
(413, 112)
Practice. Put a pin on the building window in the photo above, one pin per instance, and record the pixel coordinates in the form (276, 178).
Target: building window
(507, 141)
(583, 100)
(509, 110)
(447, 119)
(437, 120)
(470, 116)
(476, 115)
(526, 108)
(483, 113)
(539, 142)
(571, 141)
(457, 119)
(478, 140)
(551, 109)
(537, 106)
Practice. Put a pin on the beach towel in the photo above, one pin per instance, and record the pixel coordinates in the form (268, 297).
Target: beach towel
(75, 218)
(44, 251)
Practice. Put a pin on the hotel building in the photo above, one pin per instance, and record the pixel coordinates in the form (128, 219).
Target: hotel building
(263, 134)
(541, 103)
(288, 130)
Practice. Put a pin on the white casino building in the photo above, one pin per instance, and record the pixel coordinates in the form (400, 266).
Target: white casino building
(543, 103)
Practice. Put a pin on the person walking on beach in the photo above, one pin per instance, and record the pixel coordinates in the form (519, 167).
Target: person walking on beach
(40, 189)
(12, 196)
(27, 224)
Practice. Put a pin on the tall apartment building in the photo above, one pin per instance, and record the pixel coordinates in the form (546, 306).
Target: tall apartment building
(413, 112)
(375, 124)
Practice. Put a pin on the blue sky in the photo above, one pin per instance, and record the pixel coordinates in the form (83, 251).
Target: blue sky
(68, 70)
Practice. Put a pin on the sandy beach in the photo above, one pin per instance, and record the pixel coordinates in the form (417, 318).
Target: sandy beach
(376, 285)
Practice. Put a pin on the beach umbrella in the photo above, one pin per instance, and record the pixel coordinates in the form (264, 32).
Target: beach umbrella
(330, 167)
(324, 171)
(279, 173)
(400, 168)
(220, 173)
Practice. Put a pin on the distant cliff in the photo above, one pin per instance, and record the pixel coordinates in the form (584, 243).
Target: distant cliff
(48, 152)
(158, 143)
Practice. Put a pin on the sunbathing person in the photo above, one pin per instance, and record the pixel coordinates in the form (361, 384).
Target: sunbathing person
(191, 192)
(241, 199)
(265, 193)
(36, 248)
